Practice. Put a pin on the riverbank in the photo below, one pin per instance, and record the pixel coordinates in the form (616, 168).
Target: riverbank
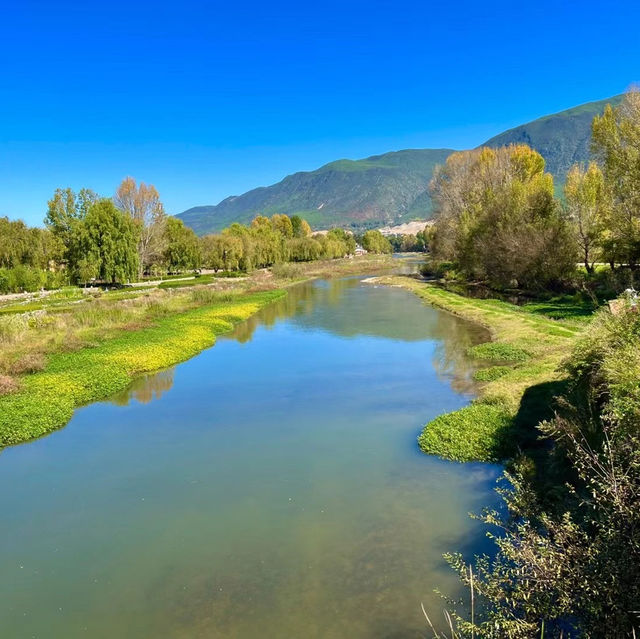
(65, 350)
(518, 377)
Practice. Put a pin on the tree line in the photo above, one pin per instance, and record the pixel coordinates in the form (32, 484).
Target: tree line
(88, 238)
(567, 562)
(498, 221)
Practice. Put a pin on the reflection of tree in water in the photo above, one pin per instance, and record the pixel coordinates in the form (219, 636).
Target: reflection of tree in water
(450, 360)
(147, 388)
(300, 300)
(348, 308)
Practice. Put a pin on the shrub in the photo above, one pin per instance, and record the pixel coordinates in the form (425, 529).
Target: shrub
(7, 385)
(29, 363)
(287, 270)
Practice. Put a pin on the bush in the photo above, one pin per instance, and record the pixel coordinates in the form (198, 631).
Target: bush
(437, 268)
(287, 270)
(8, 385)
(30, 363)
(28, 279)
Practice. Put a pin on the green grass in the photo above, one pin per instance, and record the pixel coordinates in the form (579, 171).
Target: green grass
(196, 281)
(529, 345)
(491, 374)
(499, 351)
(46, 400)
(479, 431)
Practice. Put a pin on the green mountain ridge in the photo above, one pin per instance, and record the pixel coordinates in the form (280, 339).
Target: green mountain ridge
(393, 187)
(563, 138)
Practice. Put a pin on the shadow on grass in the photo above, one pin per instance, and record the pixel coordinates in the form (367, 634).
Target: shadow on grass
(524, 447)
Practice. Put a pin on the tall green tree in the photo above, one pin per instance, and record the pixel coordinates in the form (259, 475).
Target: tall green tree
(65, 209)
(300, 227)
(496, 217)
(182, 249)
(221, 252)
(587, 206)
(104, 245)
(616, 144)
(374, 242)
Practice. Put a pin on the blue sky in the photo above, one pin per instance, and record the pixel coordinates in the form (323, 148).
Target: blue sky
(209, 99)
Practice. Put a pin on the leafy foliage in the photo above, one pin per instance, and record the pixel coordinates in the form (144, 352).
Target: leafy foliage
(568, 563)
(499, 351)
(269, 241)
(497, 219)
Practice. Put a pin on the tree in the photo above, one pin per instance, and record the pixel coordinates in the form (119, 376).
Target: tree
(242, 233)
(374, 242)
(104, 245)
(496, 217)
(221, 252)
(616, 144)
(300, 227)
(282, 224)
(65, 210)
(182, 249)
(268, 242)
(142, 203)
(304, 249)
(586, 202)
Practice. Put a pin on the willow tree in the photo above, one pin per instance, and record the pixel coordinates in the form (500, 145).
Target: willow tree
(182, 250)
(300, 227)
(222, 251)
(616, 143)
(104, 245)
(496, 217)
(374, 242)
(142, 203)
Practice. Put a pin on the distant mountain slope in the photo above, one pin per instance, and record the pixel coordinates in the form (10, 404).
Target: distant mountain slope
(374, 191)
(562, 138)
(392, 188)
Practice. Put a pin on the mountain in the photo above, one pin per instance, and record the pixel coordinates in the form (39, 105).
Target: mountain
(392, 188)
(358, 193)
(563, 139)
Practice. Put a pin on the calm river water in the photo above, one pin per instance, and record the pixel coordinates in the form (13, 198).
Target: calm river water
(271, 487)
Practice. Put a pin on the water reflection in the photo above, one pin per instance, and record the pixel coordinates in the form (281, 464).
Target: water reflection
(146, 388)
(351, 307)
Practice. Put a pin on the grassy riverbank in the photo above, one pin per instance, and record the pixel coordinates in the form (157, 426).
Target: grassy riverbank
(46, 399)
(518, 378)
(73, 347)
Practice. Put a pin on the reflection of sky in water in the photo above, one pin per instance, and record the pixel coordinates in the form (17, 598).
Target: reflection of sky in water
(271, 488)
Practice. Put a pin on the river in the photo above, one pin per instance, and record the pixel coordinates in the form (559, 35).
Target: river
(270, 487)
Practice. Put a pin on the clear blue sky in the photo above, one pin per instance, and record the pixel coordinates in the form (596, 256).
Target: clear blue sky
(209, 99)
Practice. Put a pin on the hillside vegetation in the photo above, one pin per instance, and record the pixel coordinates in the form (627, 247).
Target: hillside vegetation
(563, 139)
(393, 187)
(354, 193)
